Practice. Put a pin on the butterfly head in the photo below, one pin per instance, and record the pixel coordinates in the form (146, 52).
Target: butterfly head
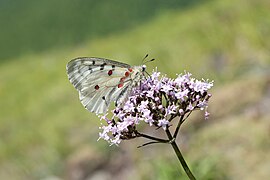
(144, 62)
(143, 68)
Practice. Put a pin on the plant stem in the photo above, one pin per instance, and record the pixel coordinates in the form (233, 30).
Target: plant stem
(178, 126)
(180, 156)
(151, 137)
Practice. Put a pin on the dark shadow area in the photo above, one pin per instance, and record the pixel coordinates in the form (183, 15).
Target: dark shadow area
(35, 26)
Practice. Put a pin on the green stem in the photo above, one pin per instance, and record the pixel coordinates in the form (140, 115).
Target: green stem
(180, 156)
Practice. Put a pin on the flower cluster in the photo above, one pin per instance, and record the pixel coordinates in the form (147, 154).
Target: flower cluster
(156, 101)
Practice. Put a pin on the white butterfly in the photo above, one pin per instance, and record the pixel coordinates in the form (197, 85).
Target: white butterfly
(101, 81)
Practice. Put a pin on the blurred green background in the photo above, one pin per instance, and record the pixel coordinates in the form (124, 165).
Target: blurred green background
(47, 134)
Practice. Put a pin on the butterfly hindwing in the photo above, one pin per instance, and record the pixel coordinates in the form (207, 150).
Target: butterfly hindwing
(101, 81)
(99, 100)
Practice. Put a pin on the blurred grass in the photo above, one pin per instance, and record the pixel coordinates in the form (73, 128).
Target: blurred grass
(43, 122)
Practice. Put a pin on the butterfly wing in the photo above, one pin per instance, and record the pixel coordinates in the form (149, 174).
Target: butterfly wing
(99, 82)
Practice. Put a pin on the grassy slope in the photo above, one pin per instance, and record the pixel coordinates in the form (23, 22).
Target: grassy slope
(42, 120)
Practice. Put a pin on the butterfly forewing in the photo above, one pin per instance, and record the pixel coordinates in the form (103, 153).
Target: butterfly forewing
(101, 81)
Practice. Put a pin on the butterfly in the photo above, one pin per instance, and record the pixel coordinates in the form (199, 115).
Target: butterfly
(101, 81)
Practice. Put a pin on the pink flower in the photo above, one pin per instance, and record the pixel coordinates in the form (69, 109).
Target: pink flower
(156, 101)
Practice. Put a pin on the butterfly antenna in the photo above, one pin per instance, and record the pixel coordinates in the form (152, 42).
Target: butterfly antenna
(149, 61)
(144, 58)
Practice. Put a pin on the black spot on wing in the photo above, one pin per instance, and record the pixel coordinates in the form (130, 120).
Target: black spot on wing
(102, 66)
(90, 69)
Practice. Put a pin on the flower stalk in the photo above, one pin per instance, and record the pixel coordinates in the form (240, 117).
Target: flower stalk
(179, 155)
